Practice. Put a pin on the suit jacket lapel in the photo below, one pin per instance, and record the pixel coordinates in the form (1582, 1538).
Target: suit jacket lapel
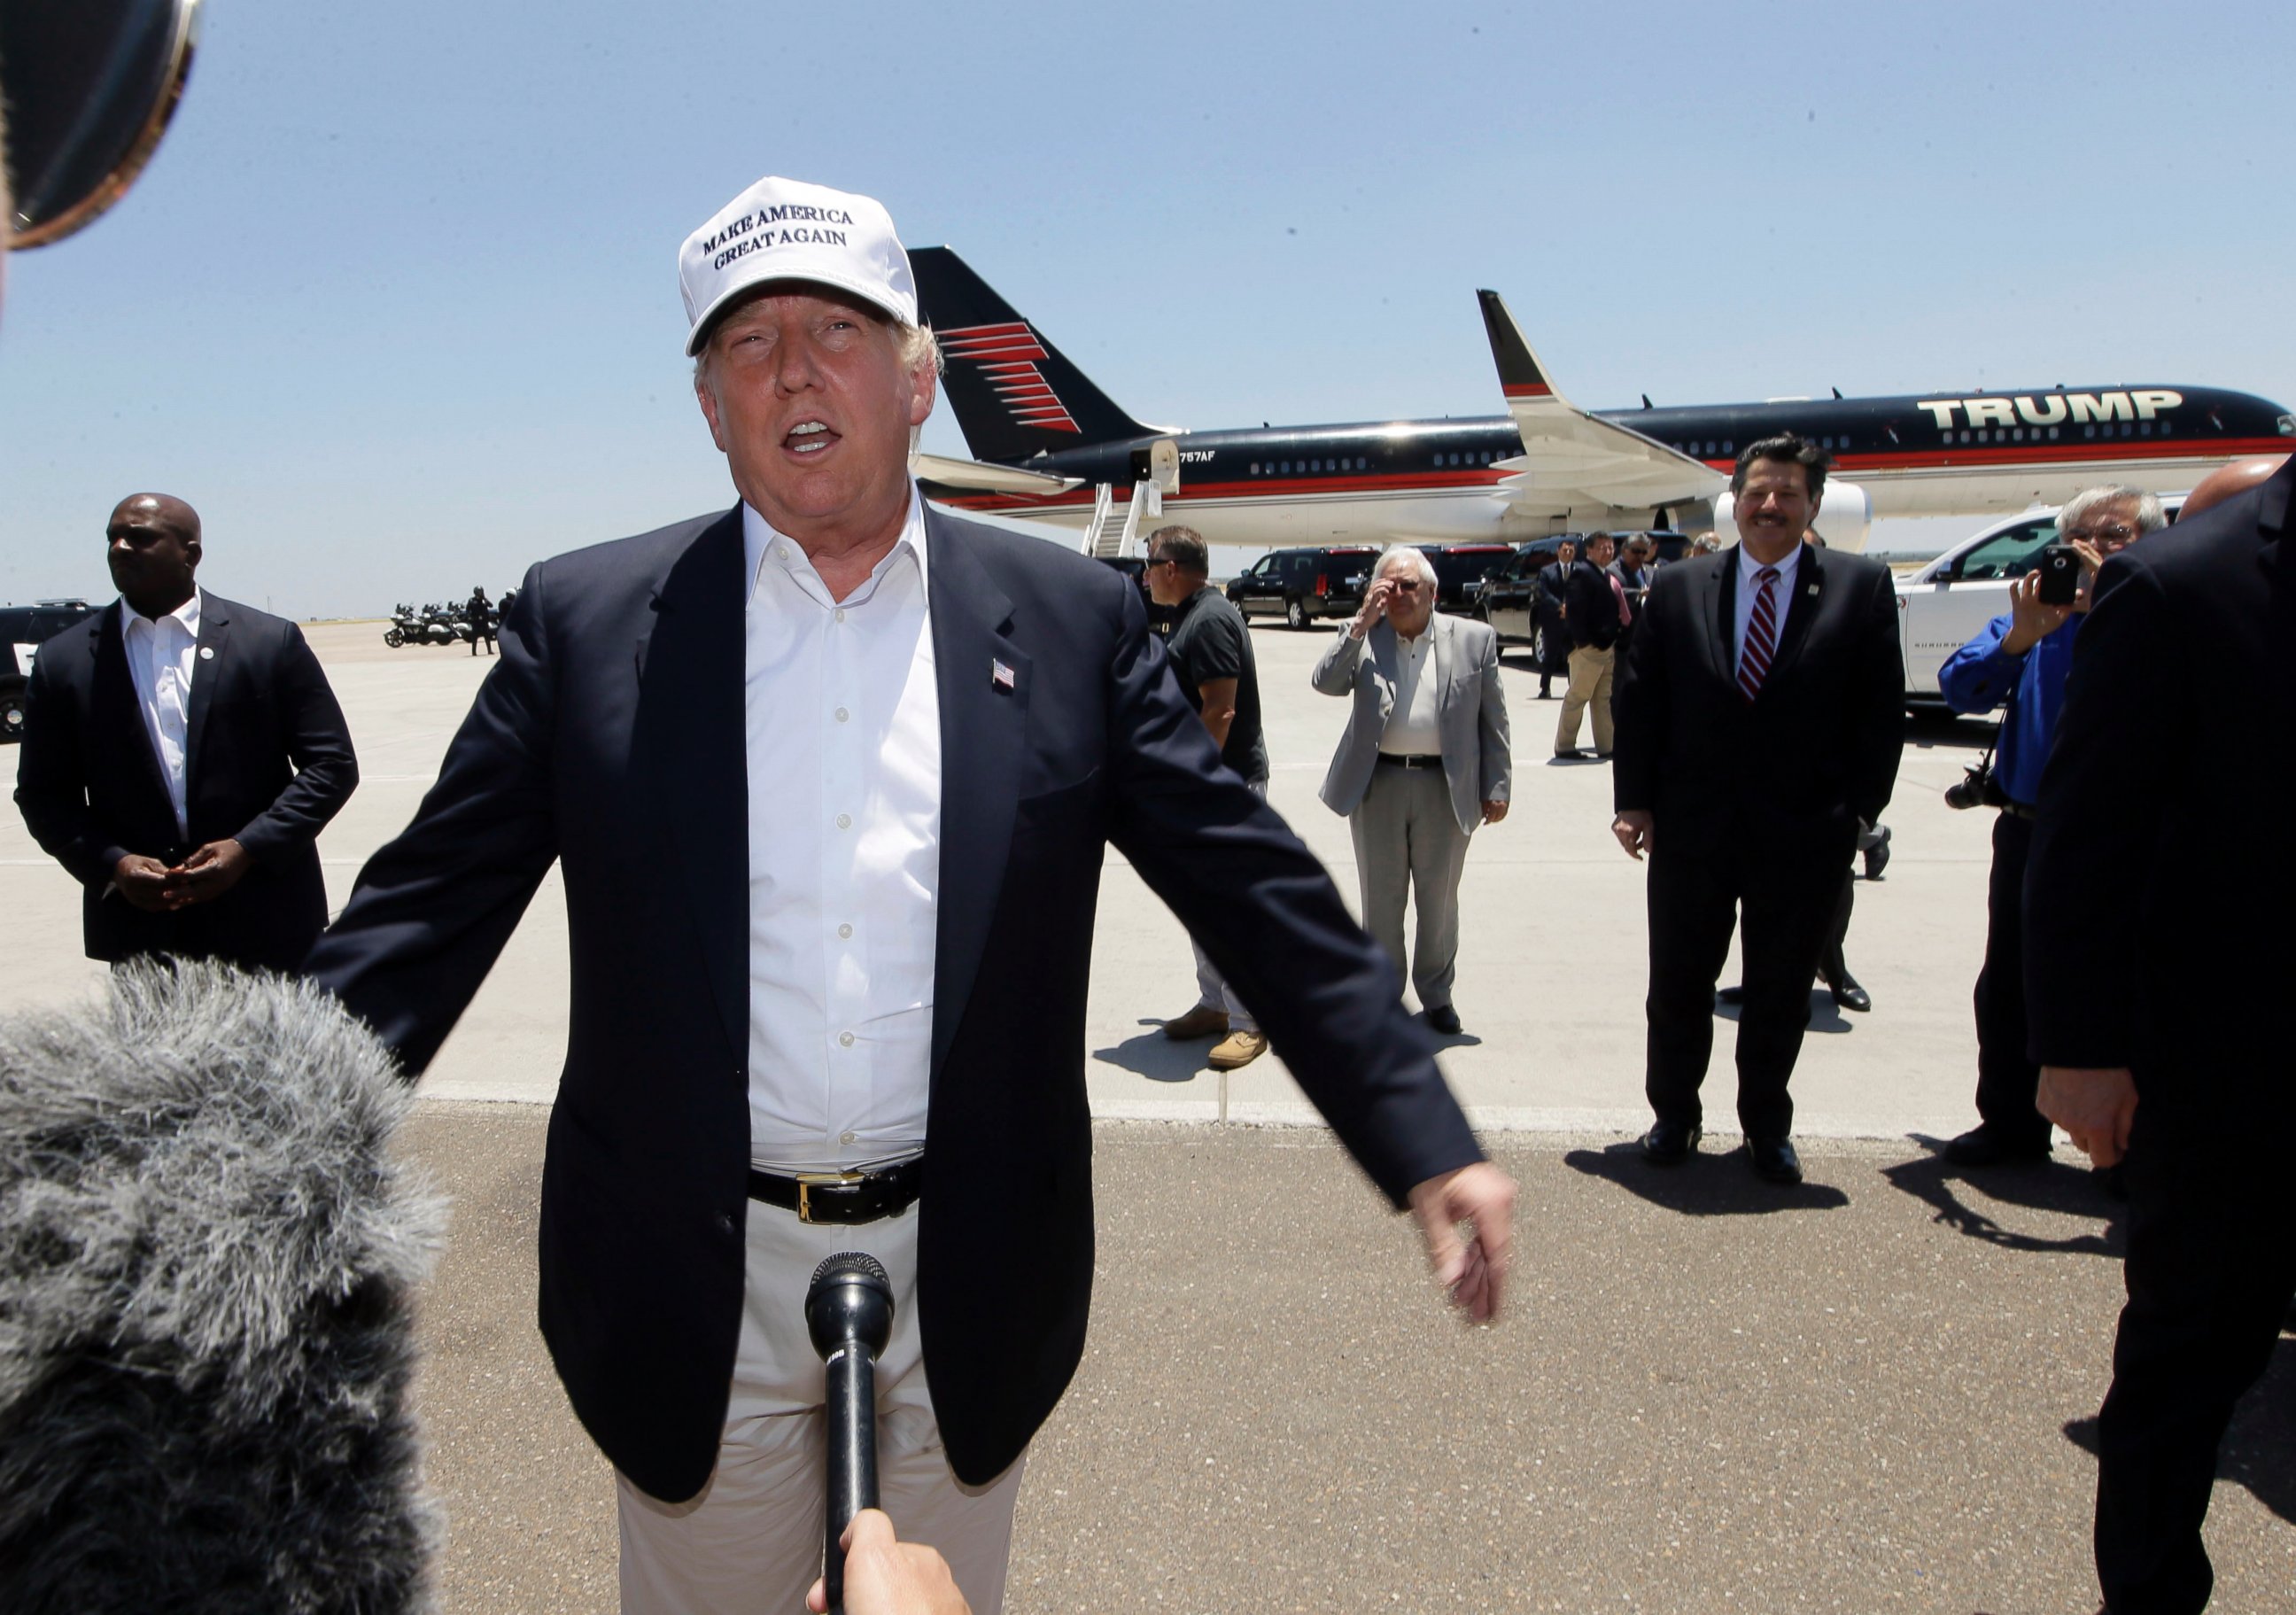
(691, 739)
(207, 671)
(1717, 609)
(984, 726)
(1808, 594)
(118, 710)
(1439, 629)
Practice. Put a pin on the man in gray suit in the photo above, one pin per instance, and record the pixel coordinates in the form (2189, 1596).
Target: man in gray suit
(1422, 763)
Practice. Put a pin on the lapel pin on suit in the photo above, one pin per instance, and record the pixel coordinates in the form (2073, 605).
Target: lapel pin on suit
(999, 674)
(207, 652)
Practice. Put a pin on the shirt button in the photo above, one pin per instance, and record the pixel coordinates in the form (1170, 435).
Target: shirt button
(845, 931)
(842, 715)
(840, 613)
(845, 1040)
(846, 1137)
(845, 821)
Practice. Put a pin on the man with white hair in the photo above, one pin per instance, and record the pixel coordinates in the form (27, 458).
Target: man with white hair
(2020, 660)
(830, 777)
(1423, 762)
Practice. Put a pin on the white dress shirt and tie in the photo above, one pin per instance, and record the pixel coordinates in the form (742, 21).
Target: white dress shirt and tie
(843, 743)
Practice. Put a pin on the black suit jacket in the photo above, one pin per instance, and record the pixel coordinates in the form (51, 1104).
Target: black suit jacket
(611, 737)
(1593, 620)
(2160, 887)
(1792, 771)
(269, 762)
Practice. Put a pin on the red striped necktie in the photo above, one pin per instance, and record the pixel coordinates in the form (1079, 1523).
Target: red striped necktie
(1761, 635)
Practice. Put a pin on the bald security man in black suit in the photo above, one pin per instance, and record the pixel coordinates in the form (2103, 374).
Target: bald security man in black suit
(1760, 724)
(181, 754)
(2160, 834)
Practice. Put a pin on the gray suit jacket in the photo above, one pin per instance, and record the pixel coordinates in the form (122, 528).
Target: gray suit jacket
(1471, 712)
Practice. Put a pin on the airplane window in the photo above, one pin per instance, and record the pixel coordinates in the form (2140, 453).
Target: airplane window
(2053, 434)
(1287, 468)
(1361, 463)
(2146, 429)
(2164, 428)
(1255, 468)
(1729, 447)
(2089, 432)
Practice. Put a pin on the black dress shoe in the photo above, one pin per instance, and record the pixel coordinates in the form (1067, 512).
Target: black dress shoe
(1877, 852)
(1775, 1160)
(1570, 755)
(1731, 994)
(1848, 995)
(1981, 1147)
(1670, 1143)
(1443, 1019)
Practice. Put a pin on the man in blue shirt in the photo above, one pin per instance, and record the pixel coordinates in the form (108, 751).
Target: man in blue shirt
(2022, 659)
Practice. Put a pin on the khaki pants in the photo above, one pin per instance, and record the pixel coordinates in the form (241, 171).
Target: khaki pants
(752, 1540)
(1590, 682)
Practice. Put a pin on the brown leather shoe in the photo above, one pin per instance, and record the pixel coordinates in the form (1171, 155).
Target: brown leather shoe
(1202, 1021)
(1236, 1049)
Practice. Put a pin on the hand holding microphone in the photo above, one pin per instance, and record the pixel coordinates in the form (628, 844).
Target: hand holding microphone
(849, 1309)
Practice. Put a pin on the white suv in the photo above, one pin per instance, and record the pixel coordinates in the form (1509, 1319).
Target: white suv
(1941, 607)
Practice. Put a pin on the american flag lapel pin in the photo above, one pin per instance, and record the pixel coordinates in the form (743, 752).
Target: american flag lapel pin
(1812, 589)
(999, 674)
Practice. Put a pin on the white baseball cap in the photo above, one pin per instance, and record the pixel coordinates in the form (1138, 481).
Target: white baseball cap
(787, 230)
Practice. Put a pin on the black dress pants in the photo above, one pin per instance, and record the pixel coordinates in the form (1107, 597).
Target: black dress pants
(2211, 1268)
(1784, 907)
(2006, 1075)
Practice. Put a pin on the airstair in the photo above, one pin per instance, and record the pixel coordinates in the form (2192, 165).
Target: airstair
(1114, 531)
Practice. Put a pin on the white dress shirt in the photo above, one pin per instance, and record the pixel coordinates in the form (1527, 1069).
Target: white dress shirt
(161, 654)
(844, 773)
(1782, 596)
(1411, 729)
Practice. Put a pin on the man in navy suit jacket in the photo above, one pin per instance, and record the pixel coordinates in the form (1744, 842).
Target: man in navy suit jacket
(181, 754)
(674, 722)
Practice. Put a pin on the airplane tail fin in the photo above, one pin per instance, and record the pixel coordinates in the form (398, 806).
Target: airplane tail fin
(1520, 376)
(1014, 393)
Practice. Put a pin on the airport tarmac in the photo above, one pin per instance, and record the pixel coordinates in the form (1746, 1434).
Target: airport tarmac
(1551, 957)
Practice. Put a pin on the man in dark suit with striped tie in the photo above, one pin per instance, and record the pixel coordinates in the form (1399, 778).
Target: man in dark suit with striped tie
(1760, 721)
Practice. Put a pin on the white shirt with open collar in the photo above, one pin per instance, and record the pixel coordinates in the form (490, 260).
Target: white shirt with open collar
(843, 729)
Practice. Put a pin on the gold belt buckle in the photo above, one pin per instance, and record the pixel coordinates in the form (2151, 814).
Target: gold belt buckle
(805, 1182)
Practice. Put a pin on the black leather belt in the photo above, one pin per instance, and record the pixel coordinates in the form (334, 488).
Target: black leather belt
(2018, 810)
(1394, 760)
(841, 1197)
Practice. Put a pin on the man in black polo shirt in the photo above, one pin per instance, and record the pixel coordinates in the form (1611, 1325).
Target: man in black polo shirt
(1211, 653)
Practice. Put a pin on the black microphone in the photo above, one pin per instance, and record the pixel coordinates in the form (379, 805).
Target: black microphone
(848, 1307)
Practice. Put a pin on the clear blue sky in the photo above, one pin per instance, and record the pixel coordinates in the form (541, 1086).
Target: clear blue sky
(395, 305)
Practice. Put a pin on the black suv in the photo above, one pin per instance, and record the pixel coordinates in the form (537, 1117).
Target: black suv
(1460, 566)
(23, 629)
(1300, 585)
(1508, 599)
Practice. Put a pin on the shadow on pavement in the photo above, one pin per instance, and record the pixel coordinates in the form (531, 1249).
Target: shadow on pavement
(1825, 1016)
(2056, 1187)
(1153, 1055)
(1931, 728)
(1708, 1185)
(2259, 1447)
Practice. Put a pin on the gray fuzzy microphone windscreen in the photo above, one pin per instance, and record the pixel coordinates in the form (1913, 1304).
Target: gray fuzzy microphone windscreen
(208, 1260)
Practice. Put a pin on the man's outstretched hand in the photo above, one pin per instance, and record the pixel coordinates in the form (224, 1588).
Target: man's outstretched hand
(1472, 1271)
(883, 1577)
